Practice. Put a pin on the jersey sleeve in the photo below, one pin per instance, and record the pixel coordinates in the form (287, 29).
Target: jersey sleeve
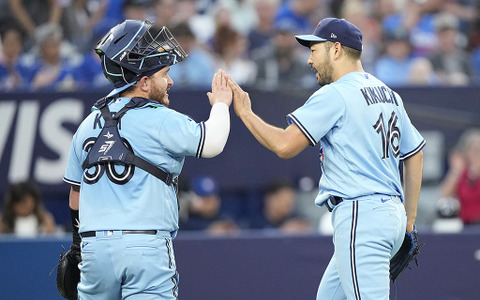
(74, 171)
(319, 114)
(182, 136)
(411, 140)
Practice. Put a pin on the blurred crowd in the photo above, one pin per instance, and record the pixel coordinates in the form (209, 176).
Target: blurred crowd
(274, 208)
(47, 45)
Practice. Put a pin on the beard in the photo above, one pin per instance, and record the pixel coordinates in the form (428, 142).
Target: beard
(326, 75)
(159, 95)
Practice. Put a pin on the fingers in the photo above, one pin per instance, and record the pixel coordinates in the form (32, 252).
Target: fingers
(220, 79)
(234, 86)
(214, 81)
(223, 81)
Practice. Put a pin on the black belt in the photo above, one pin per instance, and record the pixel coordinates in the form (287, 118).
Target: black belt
(332, 202)
(94, 233)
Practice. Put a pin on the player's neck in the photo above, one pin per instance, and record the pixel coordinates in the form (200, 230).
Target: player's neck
(344, 69)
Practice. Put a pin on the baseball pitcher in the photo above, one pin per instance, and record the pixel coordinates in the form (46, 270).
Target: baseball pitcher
(364, 134)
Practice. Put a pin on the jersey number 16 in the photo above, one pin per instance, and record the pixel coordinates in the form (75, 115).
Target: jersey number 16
(389, 135)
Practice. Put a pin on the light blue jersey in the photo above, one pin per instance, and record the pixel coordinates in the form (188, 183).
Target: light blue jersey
(137, 200)
(357, 120)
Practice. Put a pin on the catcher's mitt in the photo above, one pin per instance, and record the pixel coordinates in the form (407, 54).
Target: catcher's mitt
(407, 252)
(68, 273)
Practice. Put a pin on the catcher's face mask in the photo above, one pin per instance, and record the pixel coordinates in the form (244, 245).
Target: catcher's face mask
(134, 49)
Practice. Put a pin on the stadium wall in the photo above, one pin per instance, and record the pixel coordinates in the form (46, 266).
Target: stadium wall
(256, 266)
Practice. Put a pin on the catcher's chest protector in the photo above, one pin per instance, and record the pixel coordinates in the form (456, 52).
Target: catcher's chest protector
(110, 147)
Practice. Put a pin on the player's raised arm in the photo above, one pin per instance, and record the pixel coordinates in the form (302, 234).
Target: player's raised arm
(217, 127)
(286, 143)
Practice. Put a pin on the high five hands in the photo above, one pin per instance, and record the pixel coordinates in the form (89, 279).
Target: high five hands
(241, 99)
(221, 92)
(223, 88)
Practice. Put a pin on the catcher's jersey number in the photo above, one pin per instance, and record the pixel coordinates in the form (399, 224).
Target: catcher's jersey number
(92, 176)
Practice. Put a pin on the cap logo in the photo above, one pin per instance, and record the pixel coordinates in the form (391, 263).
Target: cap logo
(333, 36)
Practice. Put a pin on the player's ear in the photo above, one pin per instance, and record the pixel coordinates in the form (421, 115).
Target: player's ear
(338, 50)
(143, 82)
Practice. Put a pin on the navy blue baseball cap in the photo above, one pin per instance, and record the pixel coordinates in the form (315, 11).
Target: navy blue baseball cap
(334, 30)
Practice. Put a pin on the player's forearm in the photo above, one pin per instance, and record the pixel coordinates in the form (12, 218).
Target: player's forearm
(217, 128)
(412, 177)
(74, 197)
(269, 136)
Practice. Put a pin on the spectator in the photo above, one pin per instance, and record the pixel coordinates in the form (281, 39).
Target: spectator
(79, 17)
(198, 68)
(242, 13)
(421, 73)
(88, 73)
(23, 212)
(262, 34)
(466, 12)
(165, 12)
(10, 70)
(172, 13)
(382, 9)
(280, 67)
(136, 9)
(28, 15)
(463, 178)
(49, 66)
(109, 13)
(204, 209)
(296, 14)
(231, 55)
(415, 17)
(356, 12)
(278, 209)
(450, 62)
(394, 66)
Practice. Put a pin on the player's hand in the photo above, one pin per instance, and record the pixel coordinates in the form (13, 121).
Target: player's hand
(221, 92)
(241, 99)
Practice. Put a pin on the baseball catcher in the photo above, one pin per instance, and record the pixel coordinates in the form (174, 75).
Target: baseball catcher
(123, 175)
(407, 252)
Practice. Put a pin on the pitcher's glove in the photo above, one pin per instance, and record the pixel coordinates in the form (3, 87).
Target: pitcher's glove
(407, 252)
(68, 273)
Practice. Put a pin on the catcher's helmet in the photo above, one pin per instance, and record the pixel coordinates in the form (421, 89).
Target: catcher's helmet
(134, 49)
